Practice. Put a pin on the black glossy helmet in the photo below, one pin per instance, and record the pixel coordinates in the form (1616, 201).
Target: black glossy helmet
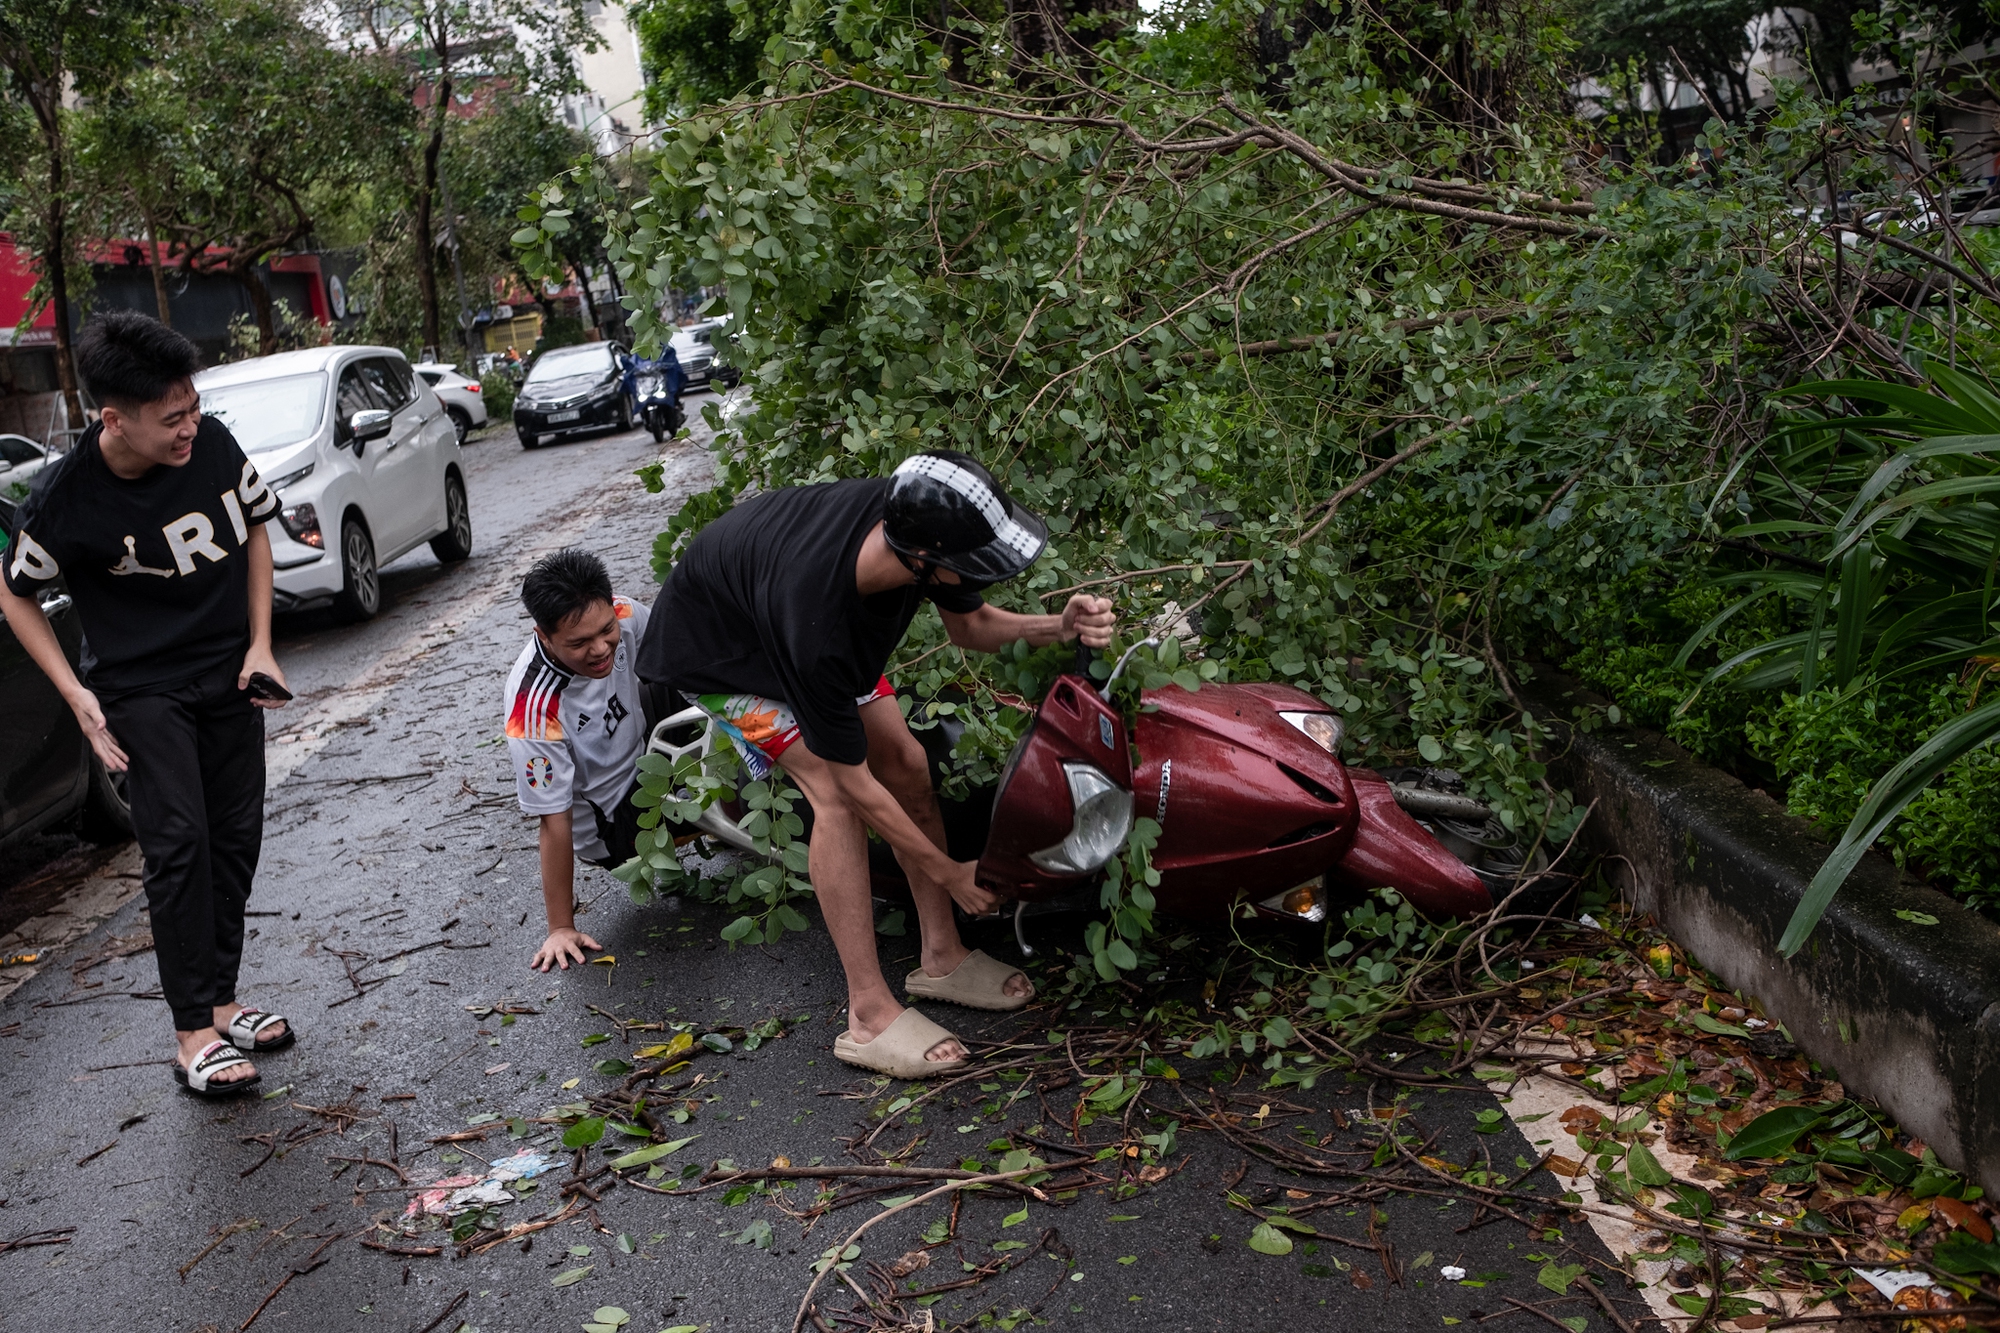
(946, 510)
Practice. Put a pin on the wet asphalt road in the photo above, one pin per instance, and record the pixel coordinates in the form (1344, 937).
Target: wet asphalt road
(390, 827)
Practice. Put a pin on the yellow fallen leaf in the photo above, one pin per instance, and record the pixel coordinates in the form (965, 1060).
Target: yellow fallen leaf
(681, 1044)
(781, 1163)
(1264, 1111)
(572, 1083)
(609, 960)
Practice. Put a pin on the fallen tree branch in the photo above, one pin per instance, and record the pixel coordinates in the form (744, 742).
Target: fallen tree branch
(1273, 346)
(805, 1304)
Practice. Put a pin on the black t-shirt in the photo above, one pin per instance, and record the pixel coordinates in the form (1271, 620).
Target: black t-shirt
(764, 602)
(156, 564)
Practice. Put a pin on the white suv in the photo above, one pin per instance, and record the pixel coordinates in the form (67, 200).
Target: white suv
(459, 395)
(364, 460)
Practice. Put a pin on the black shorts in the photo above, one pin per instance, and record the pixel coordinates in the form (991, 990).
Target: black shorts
(618, 828)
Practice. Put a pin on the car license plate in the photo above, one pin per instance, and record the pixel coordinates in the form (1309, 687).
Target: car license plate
(570, 415)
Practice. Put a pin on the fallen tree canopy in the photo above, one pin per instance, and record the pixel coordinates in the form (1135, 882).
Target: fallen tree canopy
(1370, 374)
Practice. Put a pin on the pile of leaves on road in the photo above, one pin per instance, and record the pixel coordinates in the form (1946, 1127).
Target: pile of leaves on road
(1798, 1194)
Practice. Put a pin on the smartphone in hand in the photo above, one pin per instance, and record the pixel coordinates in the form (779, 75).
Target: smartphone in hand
(262, 686)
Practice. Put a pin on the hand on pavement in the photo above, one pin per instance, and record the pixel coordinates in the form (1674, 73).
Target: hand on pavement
(563, 946)
(1092, 617)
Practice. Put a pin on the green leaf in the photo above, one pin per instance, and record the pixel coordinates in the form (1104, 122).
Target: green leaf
(1716, 1025)
(646, 1156)
(1014, 1219)
(1645, 1169)
(584, 1132)
(613, 1068)
(1963, 1253)
(1773, 1132)
(1886, 799)
(1557, 1277)
(1267, 1239)
(571, 1277)
(718, 1043)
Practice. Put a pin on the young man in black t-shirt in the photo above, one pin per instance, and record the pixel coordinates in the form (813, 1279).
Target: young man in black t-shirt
(155, 522)
(779, 621)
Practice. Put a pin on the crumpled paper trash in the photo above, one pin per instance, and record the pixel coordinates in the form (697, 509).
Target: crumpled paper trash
(458, 1194)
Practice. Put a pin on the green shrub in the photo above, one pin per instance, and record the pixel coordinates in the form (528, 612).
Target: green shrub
(1830, 750)
(499, 391)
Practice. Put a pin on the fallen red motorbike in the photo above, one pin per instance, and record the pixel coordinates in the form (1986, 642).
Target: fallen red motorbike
(1254, 804)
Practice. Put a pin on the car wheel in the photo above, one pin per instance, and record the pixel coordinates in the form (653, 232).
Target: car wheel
(461, 424)
(624, 412)
(528, 440)
(455, 542)
(107, 810)
(360, 594)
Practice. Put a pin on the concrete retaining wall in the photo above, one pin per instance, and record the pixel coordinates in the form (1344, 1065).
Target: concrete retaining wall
(1909, 1015)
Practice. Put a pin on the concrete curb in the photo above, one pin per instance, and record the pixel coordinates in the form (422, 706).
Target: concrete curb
(1908, 1015)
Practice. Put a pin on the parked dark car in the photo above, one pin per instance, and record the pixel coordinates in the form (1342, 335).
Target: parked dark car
(699, 351)
(47, 770)
(573, 389)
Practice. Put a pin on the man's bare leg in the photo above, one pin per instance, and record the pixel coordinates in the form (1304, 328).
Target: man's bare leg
(838, 865)
(898, 761)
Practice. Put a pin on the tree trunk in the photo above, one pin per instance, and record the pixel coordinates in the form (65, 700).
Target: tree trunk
(46, 98)
(260, 304)
(589, 301)
(159, 274)
(427, 286)
(542, 299)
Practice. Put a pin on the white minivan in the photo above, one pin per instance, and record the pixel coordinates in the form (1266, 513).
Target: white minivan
(363, 458)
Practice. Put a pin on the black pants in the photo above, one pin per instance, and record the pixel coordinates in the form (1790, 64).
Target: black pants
(197, 788)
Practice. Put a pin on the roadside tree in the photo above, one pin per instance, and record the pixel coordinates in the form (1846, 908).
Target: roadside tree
(51, 50)
(262, 123)
(449, 49)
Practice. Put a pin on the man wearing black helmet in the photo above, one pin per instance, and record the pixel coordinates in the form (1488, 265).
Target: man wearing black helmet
(779, 621)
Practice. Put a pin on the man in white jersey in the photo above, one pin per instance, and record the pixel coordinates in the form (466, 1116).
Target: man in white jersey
(575, 729)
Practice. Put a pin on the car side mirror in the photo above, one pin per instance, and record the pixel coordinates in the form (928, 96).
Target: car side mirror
(368, 424)
(5, 465)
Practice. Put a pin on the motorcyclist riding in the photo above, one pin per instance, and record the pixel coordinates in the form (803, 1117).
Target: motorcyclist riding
(654, 385)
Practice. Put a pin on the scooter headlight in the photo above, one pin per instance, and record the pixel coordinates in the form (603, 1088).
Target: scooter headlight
(1323, 728)
(1101, 823)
